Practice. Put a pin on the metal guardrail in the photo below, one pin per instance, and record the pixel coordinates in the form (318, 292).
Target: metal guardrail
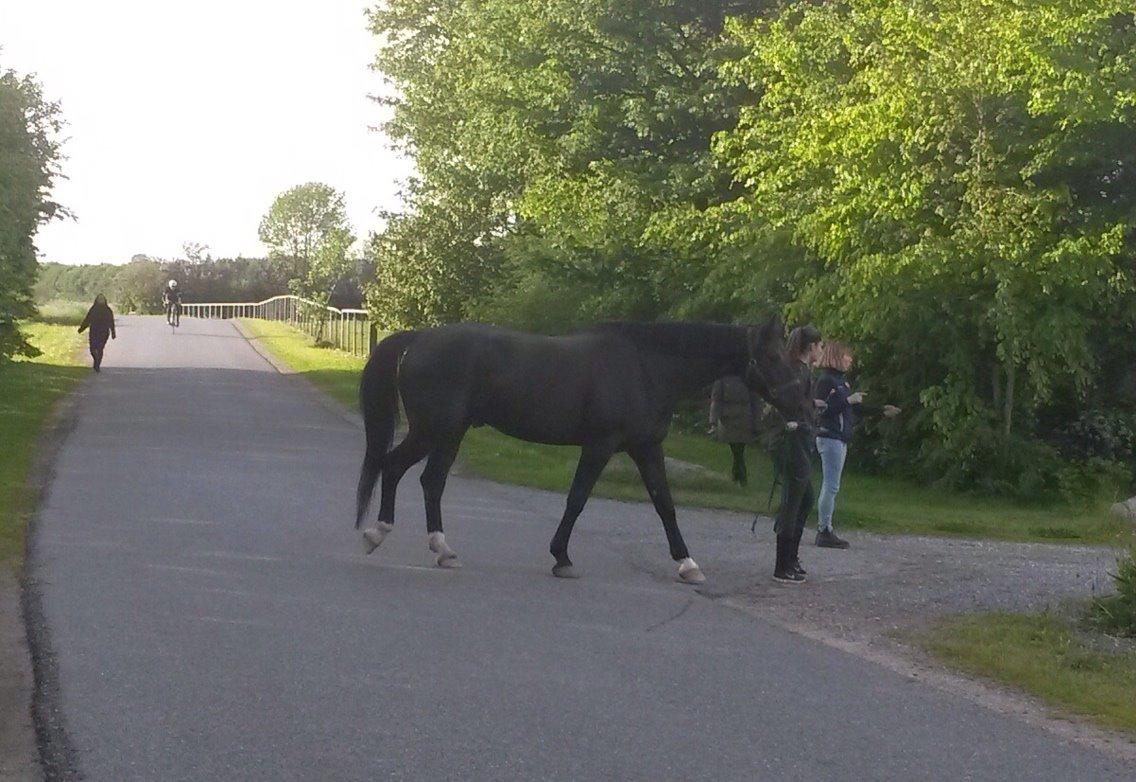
(349, 330)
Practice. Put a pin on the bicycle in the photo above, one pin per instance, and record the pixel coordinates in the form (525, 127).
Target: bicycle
(173, 315)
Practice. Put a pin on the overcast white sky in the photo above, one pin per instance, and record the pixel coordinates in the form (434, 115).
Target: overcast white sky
(185, 120)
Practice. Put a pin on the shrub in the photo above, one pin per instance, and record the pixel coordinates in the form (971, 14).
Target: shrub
(1117, 613)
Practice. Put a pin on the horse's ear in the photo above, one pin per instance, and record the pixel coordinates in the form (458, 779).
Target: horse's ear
(769, 337)
(777, 327)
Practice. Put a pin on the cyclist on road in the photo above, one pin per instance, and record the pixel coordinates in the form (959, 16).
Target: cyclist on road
(171, 299)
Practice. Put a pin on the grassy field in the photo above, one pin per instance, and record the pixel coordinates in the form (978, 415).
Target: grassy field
(29, 390)
(866, 502)
(1047, 657)
(62, 313)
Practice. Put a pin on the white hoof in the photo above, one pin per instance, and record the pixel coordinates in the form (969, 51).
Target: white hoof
(689, 572)
(564, 571)
(447, 557)
(373, 536)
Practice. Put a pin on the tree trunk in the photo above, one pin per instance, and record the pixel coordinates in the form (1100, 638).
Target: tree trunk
(1011, 374)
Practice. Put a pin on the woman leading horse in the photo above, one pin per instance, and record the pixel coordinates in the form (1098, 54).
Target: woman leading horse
(608, 389)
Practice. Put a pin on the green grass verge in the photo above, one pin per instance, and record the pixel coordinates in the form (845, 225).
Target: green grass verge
(1045, 656)
(60, 312)
(29, 390)
(868, 502)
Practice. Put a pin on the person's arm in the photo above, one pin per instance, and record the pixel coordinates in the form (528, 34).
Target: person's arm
(869, 409)
(835, 397)
(86, 322)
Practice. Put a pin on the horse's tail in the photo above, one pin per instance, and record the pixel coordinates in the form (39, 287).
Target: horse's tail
(378, 402)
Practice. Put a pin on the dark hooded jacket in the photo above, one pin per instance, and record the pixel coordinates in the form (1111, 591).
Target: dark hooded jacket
(100, 320)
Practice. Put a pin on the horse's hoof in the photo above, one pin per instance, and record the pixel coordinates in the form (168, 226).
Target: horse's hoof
(447, 557)
(373, 536)
(689, 572)
(564, 571)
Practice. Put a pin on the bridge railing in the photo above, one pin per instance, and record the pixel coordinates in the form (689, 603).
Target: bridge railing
(346, 329)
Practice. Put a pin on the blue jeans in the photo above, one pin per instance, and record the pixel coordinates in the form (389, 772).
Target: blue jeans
(832, 455)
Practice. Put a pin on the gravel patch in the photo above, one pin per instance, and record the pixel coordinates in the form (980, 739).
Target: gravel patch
(883, 584)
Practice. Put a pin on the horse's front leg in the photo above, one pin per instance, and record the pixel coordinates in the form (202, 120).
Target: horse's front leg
(593, 459)
(433, 481)
(652, 468)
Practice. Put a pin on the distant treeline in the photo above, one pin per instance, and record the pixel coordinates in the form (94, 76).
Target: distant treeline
(137, 286)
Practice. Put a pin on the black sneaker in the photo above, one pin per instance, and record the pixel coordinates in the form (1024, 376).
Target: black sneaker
(796, 567)
(826, 538)
(788, 577)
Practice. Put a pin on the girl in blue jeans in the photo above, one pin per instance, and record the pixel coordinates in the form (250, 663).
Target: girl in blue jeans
(834, 432)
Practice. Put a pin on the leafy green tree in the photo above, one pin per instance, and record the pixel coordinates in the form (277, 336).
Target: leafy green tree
(138, 286)
(29, 166)
(331, 264)
(309, 238)
(196, 252)
(963, 169)
(573, 137)
(951, 184)
(430, 264)
(299, 221)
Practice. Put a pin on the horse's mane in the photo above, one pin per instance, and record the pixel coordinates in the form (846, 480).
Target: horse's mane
(680, 337)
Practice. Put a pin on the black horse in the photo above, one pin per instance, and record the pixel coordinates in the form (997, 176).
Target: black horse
(608, 389)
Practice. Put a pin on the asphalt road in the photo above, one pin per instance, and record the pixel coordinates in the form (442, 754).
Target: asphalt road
(212, 617)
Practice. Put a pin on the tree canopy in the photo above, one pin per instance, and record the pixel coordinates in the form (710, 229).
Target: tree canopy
(29, 166)
(947, 183)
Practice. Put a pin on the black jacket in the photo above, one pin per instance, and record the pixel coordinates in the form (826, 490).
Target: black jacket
(836, 420)
(100, 320)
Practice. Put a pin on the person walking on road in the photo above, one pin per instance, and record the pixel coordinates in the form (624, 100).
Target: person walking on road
(100, 322)
(804, 347)
(834, 432)
(734, 414)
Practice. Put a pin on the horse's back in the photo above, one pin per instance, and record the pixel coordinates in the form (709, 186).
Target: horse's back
(553, 389)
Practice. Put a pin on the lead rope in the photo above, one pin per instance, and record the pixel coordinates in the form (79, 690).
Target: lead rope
(778, 462)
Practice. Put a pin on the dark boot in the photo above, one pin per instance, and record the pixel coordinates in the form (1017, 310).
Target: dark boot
(783, 571)
(827, 539)
(795, 553)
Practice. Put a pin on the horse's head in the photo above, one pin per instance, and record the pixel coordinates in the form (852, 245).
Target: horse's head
(769, 372)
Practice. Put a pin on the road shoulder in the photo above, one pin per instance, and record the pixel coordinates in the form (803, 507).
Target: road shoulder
(26, 664)
(19, 756)
(324, 399)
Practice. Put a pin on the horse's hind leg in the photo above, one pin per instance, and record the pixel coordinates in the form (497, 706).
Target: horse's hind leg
(406, 454)
(593, 459)
(433, 481)
(652, 468)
